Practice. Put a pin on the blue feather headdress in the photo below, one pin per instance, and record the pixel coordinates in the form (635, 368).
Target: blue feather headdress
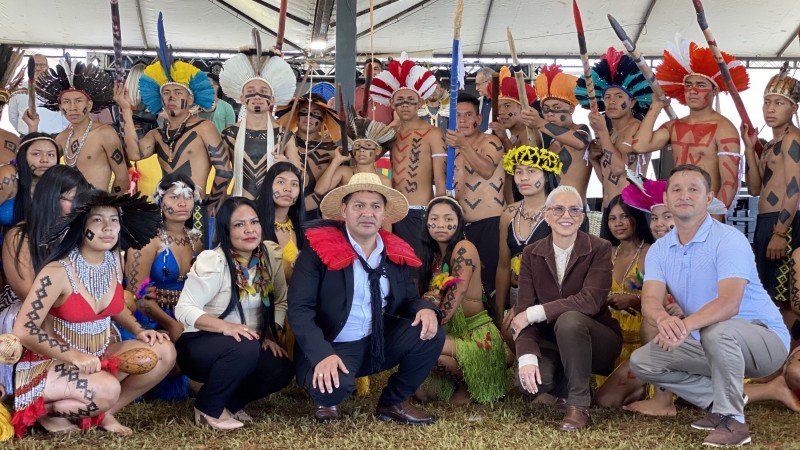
(617, 70)
(168, 71)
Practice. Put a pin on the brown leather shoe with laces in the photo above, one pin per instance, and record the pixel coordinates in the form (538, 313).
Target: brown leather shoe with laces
(327, 414)
(728, 433)
(576, 418)
(404, 413)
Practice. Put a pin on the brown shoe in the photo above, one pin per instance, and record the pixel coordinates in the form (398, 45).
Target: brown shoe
(575, 419)
(729, 433)
(709, 422)
(327, 414)
(404, 413)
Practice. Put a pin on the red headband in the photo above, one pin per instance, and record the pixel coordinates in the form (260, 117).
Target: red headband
(73, 90)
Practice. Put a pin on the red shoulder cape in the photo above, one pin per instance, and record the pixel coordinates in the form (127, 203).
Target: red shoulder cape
(335, 251)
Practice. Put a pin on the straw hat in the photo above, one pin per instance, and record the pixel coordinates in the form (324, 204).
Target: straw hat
(396, 203)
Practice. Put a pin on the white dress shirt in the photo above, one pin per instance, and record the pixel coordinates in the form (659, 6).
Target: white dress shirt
(359, 321)
(50, 122)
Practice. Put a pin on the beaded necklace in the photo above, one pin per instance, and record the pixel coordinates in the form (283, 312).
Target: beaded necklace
(166, 250)
(76, 147)
(536, 219)
(171, 140)
(94, 278)
(286, 226)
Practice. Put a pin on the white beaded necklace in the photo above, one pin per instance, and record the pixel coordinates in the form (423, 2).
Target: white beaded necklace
(76, 146)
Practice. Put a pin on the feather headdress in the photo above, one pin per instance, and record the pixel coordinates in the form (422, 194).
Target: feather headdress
(402, 74)
(552, 82)
(242, 68)
(525, 155)
(73, 76)
(167, 71)
(139, 219)
(10, 59)
(359, 128)
(617, 70)
(647, 197)
(683, 58)
(330, 120)
(784, 85)
(255, 64)
(508, 88)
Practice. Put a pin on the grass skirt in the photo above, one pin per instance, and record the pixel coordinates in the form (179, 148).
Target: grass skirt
(480, 353)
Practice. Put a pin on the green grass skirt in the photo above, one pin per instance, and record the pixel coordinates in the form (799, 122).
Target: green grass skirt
(480, 353)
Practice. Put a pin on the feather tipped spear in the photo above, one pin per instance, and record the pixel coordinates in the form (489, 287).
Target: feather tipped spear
(630, 47)
(519, 77)
(726, 73)
(455, 79)
(587, 71)
(116, 33)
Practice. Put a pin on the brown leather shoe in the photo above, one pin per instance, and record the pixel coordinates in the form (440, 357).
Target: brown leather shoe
(404, 413)
(327, 414)
(575, 419)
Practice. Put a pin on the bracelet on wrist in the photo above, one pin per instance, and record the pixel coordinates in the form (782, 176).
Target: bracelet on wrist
(778, 233)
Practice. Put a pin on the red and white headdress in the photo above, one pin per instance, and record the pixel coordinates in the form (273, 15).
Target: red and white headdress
(508, 88)
(683, 58)
(402, 74)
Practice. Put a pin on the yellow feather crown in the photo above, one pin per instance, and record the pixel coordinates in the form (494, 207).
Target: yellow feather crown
(526, 155)
(180, 72)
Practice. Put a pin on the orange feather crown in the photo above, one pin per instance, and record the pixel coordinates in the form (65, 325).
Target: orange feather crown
(683, 58)
(552, 82)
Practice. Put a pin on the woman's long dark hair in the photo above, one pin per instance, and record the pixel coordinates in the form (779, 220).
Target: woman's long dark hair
(22, 203)
(430, 248)
(550, 182)
(40, 221)
(266, 205)
(222, 238)
(166, 184)
(641, 226)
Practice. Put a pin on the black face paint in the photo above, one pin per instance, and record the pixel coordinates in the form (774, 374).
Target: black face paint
(85, 110)
(538, 184)
(170, 210)
(432, 226)
(172, 113)
(183, 103)
(404, 103)
(257, 94)
(257, 109)
(623, 106)
(562, 118)
(475, 125)
(511, 114)
(89, 235)
(276, 194)
(451, 227)
(294, 200)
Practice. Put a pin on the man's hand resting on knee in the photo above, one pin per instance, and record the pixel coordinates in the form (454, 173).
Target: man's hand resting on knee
(326, 374)
(429, 324)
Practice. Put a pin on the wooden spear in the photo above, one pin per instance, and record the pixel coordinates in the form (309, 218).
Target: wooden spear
(519, 77)
(587, 71)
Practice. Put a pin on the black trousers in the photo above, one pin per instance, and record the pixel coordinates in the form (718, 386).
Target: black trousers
(485, 235)
(234, 373)
(402, 348)
(412, 228)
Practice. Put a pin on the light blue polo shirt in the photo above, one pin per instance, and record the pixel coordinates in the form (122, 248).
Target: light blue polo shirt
(692, 271)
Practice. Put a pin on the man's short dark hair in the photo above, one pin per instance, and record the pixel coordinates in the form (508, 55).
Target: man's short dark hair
(692, 168)
(346, 198)
(464, 97)
(374, 60)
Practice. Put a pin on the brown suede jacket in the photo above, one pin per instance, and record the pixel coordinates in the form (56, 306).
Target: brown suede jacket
(587, 281)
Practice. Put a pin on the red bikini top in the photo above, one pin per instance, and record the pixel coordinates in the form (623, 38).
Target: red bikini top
(76, 309)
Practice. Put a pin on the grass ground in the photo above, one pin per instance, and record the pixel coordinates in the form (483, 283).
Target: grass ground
(283, 422)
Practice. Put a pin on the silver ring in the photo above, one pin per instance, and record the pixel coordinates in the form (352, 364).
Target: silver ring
(320, 375)
(513, 330)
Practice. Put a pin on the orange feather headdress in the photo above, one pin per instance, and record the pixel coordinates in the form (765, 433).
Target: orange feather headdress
(552, 82)
(683, 58)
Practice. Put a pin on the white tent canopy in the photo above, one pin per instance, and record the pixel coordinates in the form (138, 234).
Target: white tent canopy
(745, 28)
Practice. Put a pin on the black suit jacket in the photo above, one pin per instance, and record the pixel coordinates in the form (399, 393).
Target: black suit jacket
(320, 300)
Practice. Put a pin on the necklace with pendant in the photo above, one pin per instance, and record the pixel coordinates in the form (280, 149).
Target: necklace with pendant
(71, 156)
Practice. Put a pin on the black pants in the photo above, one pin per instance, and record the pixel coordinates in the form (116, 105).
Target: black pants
(412, 228)
(403, 347)
(485, 236)
(776, 276)
(234, 373)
